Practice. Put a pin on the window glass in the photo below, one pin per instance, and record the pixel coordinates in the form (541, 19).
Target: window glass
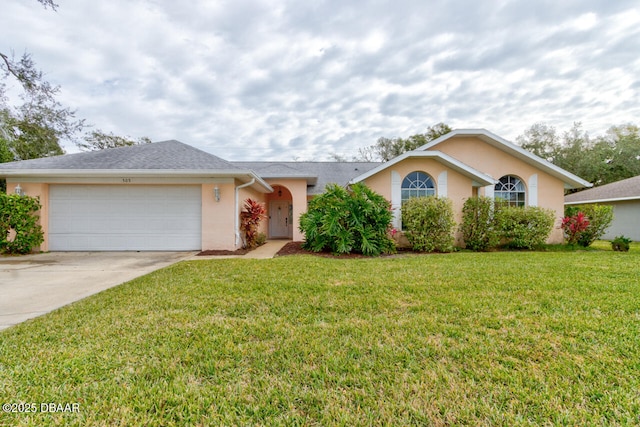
(511, 190)
(417, 184)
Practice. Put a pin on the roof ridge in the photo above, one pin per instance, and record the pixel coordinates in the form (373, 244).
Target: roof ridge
(161, 155)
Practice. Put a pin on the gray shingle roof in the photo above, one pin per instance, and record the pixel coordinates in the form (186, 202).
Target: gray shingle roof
(318, 174)
(626, 189)
(165, 155)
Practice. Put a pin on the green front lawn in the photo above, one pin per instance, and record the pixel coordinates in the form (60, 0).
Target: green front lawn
(505, 338)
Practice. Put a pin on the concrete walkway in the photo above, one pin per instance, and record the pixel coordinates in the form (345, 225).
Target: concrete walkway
(268, 250)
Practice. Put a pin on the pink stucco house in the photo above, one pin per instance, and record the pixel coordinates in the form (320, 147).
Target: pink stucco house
(170, 196)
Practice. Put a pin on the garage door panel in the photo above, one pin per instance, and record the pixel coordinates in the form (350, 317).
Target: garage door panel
(70, 224)
(109, 217)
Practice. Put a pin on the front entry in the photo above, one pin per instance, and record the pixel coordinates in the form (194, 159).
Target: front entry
(280, 215)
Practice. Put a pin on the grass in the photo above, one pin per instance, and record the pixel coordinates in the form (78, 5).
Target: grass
(547, 338)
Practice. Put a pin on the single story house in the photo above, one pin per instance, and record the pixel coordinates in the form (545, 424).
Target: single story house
(171, 196)
(624, 196)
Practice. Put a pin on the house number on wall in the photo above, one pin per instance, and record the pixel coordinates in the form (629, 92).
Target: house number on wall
(126, 179)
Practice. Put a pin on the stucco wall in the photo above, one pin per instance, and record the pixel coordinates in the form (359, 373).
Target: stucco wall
(497, 163)
(298, 190)
(218, 225)
(458, 187)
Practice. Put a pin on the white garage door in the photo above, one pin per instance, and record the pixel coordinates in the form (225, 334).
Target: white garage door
(124, 217)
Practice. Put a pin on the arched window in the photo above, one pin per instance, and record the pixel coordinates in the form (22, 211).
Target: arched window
(511, 190)
(417, 184)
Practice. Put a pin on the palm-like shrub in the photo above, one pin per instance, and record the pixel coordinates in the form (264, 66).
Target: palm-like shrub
(348, 220)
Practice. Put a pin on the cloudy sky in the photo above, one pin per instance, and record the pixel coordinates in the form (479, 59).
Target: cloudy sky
(291, 79)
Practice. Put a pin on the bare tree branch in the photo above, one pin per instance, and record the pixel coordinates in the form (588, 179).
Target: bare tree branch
(48, 3)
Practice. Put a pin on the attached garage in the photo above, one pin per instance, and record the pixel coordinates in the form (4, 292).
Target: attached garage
(164, 196)
(125, 217)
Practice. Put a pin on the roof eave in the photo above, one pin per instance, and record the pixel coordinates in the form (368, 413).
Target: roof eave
(311, 180)
(242, 175)
(609, 200)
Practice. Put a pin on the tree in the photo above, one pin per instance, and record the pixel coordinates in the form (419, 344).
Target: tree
(541, 140)
(35, 128)
(571, 155)
(387, 148)
(99, 140)
(601, 160)
(436, 131)
(5, 153)
(24, 69)
(621, 152)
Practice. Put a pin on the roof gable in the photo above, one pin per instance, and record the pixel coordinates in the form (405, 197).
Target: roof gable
(479, 179)
(570, 180)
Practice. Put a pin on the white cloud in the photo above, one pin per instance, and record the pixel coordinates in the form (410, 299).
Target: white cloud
(251, 79)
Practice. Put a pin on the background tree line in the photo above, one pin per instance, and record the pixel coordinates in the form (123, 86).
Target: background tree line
(36, 125)
(600, 160)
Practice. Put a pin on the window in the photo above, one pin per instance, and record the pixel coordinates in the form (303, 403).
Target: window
(511, 190)
(417, 184)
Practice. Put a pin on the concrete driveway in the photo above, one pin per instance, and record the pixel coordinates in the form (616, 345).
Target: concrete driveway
(33, 285)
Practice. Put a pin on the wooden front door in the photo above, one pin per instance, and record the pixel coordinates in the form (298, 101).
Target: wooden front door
(280, 219)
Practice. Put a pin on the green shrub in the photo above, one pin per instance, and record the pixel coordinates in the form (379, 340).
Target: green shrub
(261, 239)
(621, 244)
(343, 221)
(600, 218)
(428, 223)
(19, 228)
(523, 228)
(478, 227)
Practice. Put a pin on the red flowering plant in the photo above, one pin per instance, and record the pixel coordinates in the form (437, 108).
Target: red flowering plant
(574, 226)
(253, 214)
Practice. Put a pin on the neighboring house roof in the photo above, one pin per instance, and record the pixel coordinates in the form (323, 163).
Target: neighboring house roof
(479, 179)
(627, 189)
(165, 158)
(317, 174)
(570, 180)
